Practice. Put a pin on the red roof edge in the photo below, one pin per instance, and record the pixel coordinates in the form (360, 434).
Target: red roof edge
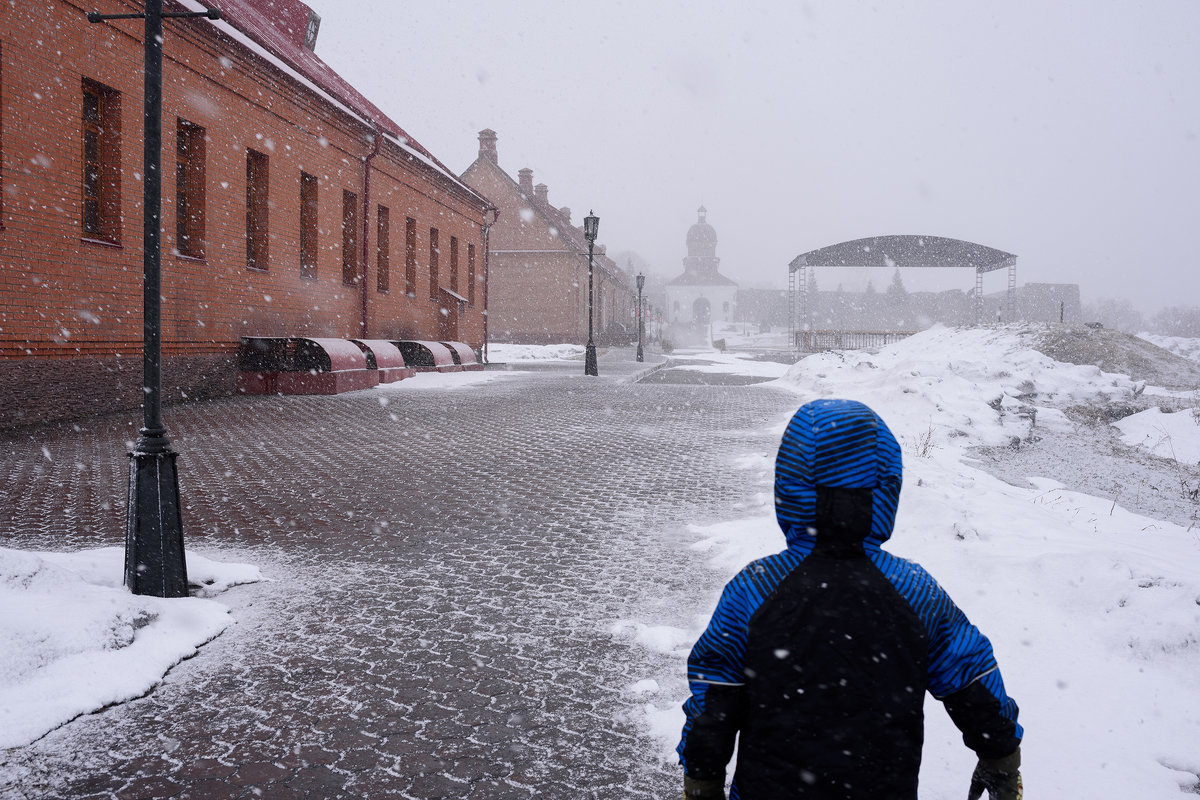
(280, 27)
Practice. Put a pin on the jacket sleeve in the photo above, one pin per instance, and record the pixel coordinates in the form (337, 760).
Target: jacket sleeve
(963, 672)
(964, 675)
(717, 684)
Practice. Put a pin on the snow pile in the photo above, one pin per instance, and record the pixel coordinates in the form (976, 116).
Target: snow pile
(75, 640)
(1094, 611)
(508, 353)
(959, 388)
(1180, 346)
(439, 381)
(1173, 435)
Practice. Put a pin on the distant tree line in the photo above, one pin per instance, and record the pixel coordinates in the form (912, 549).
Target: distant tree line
(1119, 313)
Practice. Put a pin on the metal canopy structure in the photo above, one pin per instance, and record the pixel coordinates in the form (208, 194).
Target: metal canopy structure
(897, 251)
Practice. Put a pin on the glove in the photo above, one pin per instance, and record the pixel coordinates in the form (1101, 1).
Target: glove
(1001, 777)
(703, 790)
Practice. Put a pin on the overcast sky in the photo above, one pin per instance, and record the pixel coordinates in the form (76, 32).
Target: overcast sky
(1065, 132)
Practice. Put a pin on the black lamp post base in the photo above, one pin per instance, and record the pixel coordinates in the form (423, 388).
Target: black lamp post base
(641, 356)
(154, 560)
(589, 360)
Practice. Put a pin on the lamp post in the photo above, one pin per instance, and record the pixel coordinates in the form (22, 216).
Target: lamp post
(154, 560)
(591, 224)
(490, 215)
(641, 281)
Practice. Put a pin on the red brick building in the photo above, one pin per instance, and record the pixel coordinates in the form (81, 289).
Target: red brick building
(292, 206)
(538, 264)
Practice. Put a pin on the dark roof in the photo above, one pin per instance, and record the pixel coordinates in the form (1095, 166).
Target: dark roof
(906, 251)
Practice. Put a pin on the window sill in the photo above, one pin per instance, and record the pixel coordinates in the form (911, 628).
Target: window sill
(101, 242)
(195, 259)
(257, 269)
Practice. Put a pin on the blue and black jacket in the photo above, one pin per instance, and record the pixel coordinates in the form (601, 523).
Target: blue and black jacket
(817, 659)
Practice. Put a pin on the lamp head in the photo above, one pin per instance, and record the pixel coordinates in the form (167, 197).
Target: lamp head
(641, 281)
(591, 226)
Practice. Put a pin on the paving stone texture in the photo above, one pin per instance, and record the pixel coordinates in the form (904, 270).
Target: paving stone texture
(445, 567)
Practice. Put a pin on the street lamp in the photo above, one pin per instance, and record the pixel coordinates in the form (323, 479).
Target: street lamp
(490, 215)
(641, 281)
(591, 224)
(154, 559)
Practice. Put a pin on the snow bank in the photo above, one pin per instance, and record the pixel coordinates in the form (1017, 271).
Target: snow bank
(507, 353)
(75, 640)
(438, 381)
(1180, 346)
(957, 388)
(1094, 612)
(1168, 435)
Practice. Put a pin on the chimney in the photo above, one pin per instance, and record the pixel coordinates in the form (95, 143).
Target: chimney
(525, 179)
(566, 212)
(311, 30)
(487, 145)
(541, 194)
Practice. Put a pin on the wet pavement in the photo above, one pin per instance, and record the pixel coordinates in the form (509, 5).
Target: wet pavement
(445, 567)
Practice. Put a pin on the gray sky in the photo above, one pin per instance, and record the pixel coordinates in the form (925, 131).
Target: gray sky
(1065, 132)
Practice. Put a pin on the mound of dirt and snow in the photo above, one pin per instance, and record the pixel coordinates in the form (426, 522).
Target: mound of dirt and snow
(1146, 479)
(1114, 351)
(1026, 400)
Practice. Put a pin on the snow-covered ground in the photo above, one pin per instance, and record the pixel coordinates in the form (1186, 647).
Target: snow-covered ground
(510, 353)
(1188, 348)
(74, 640)
(1094, 610)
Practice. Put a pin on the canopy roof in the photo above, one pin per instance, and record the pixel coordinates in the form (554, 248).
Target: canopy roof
(906, 251)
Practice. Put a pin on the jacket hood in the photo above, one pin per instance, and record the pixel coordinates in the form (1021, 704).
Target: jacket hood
(836, 444)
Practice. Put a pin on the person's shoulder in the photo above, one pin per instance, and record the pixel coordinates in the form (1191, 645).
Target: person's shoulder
(906, 575)
(763, 574)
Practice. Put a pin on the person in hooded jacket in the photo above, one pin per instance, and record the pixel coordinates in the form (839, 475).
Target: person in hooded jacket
(817, 659)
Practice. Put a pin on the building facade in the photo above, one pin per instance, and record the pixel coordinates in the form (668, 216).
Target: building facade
(292, 206)
(701, 295)
(538, 265)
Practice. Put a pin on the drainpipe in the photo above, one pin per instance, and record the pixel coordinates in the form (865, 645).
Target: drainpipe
(366, 225)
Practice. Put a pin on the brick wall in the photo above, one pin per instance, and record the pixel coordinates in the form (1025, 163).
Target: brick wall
(63, 296)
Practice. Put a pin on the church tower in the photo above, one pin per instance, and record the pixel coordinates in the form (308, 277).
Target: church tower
(701, 247)
(701, 296)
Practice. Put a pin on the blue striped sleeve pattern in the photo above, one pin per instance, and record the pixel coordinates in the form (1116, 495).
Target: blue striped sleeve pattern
(959, 654)
(719, 655)
(721, 649)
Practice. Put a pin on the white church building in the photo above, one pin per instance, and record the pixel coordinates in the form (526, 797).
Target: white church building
(701, 295)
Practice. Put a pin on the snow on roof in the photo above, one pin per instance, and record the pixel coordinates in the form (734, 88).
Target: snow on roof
(275, 31)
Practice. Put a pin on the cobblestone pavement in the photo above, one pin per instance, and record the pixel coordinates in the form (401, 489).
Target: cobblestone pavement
(445, 571)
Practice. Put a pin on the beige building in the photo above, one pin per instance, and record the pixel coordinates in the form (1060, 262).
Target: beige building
(538, 264)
